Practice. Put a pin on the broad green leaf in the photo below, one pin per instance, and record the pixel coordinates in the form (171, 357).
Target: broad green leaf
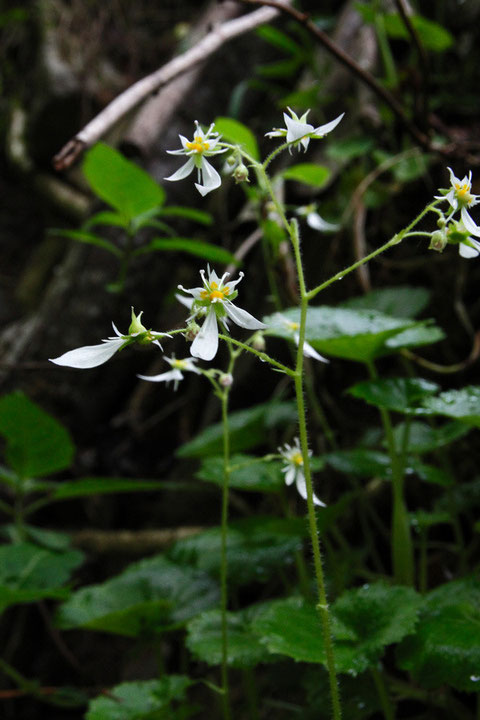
(423, 438)
(308, 173)
(432, 35)
(237, 133)
(36, 443)
(404, 301)
(369, 463)
(248, 429)
(445, 649)
(88, 239)
(257, 548)
(351, 334)
(120, 183)
(281, 69)
(188, 213)
(365, 621)
(149, 597)
(461, 404)
(204, 639)
(85, 487)
(247, 473)
(29, 573)
(143, 700)
(422, 334)
(349, 149)
(403, 395)
(210, 252)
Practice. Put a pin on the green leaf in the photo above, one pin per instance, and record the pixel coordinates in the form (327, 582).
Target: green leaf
(84, 487)
(369, 463)
(144, 700)
(351, 334)
(105, 217)
(209, 252)
(88, 239)
(204, 639)
(29, 573)
(279, 40)
(461, 404)
(257, 548)
(120, 183)
(36, 443)
(445, 650)
(149, 597)
(187, 213)
(398, 394)
(432, 35)
(422, 334)
(308, 173)
(365, 621)
(404, 301)
(430, 473)
(248, 473)
(349, 149)
(237, 133)
(248, 429)
(423, 438)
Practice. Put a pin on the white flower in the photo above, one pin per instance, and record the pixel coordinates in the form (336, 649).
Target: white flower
(299, 132)
(293, 328)
(468, 247)
(461, 198)
(215, 300)
(314, 220)
(91, 356)
(176, 373)
(197, 150)
(293, 469)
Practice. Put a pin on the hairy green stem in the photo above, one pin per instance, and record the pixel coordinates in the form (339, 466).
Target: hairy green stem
(322, 604)
(223, 559)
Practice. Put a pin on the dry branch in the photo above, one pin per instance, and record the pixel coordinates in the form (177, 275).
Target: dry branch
(136, 93)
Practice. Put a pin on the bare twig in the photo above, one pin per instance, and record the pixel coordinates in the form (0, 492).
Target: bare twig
(422, 55)
(129, 99)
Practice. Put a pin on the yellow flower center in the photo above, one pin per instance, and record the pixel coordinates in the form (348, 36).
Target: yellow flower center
(198, 144)
(463, 191)
(297, 459)
(213, 292)
(180, 364)
(293, 325)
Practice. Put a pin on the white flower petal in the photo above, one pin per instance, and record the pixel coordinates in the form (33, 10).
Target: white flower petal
(297, 130)
(316, 222)
(328, 127)
(205, 345)
(242, 317)
(302, 489)
(182, 172)
(210, 178)
(467, 251)
(188, 302)
(90, 356)
(290, 473)
(310, 352)
(174, 374)
(470, 226)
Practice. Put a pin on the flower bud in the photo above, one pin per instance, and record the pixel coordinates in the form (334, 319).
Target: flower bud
(191, 331)
(438, 241)
(240, 173)
(258, 342)
(226, 380)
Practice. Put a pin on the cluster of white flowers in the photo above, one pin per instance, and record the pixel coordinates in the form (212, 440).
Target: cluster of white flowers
(299, 133)
(460, 198)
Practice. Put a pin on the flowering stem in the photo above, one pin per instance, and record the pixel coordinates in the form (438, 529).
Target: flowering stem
(322, 605)
(393, 241)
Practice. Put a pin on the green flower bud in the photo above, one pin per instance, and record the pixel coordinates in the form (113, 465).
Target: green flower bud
(192, 331)
(438, 241)
(240, 173)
